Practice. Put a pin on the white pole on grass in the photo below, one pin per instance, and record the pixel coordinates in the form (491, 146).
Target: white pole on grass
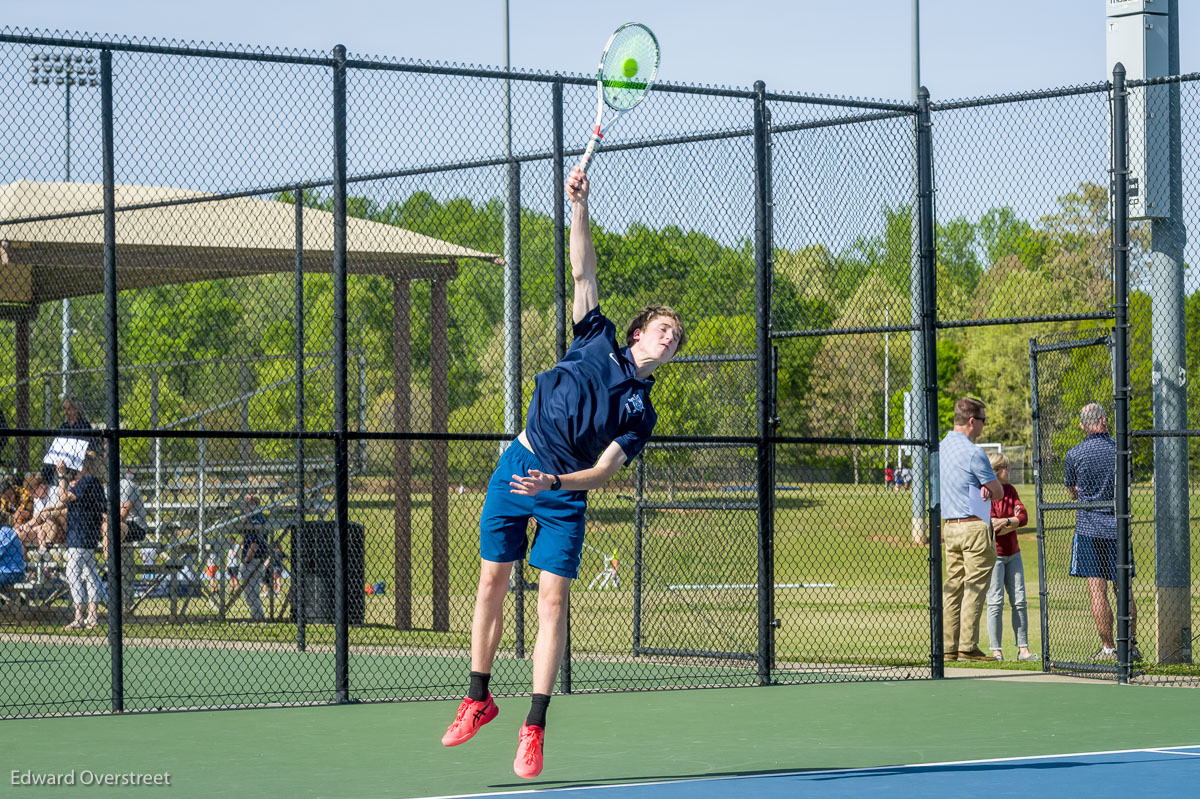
(886, 389)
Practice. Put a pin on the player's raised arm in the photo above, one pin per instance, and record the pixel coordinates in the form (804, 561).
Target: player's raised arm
(583, 251)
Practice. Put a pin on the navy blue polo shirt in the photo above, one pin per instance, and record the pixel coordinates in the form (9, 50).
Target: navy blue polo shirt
(1091, 466)
(254, 536)
(84, 514)
(590, 398)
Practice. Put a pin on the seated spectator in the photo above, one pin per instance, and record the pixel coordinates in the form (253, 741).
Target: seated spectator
(233, 564)
(133, 514)
(34, 526)
(133, 529)
(210, 570)
(10, 494)
(276, 565)
(21, 505)
(12, 553)
(49, 511)
(84, 496)
(213, 572)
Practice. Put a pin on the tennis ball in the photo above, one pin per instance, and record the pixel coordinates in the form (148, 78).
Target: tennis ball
(629, 67)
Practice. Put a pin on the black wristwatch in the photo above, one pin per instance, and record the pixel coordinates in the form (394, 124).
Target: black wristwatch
(557, 484)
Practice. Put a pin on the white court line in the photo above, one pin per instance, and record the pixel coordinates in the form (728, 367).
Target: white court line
(1175, 751)
(1169, 750)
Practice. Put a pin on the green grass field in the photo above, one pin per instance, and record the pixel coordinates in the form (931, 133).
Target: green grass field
(852, 600)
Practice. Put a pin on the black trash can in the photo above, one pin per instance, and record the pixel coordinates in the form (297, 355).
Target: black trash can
(313, 557)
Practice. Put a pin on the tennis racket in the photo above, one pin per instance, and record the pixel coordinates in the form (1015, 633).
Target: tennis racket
(628, 67)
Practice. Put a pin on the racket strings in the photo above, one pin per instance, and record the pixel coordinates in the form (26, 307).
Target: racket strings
(629, 66)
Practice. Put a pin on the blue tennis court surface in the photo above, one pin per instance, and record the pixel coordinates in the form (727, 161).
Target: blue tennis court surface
(1166, 772)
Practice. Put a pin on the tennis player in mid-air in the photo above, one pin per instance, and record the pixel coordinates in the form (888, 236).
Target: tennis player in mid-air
(590, 415)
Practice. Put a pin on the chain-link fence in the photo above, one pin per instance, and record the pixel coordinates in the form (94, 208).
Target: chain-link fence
(1141, 526)
(1164, 364)
(1074, 492)
(300, 300)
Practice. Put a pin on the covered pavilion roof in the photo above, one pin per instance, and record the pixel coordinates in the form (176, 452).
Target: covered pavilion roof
(172, 235)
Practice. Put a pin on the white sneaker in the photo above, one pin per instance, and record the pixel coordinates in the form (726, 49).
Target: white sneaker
(1105, 653)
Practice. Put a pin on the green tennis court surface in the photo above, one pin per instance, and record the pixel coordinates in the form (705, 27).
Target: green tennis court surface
(393, 749)
(189, 675)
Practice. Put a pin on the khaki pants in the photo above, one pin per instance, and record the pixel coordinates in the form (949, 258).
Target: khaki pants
(970, 555)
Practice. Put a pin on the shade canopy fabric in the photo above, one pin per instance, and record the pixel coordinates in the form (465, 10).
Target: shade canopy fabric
(194, 236)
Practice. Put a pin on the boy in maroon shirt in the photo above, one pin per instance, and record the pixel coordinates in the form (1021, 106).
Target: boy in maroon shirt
(1008, 516)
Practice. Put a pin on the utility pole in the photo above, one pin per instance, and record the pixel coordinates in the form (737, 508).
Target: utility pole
(512, 261)
(64, 69)
(914, 419)
(1144, 36)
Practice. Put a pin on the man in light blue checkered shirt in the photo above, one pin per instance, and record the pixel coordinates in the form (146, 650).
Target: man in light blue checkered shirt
(967, 486)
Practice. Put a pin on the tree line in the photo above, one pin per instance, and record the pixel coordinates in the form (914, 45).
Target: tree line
(993, 267)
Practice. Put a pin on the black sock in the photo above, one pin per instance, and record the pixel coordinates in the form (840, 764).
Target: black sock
(479, 686)
(537, 711)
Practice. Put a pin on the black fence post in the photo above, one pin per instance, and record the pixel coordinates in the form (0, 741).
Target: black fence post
(639, 486)
(1035, 407)
(116, 593)
(765, 453)
(1120, 239)
(512, 315)
(341, 471)
(928, 261)
(560, 297)
(560, 238)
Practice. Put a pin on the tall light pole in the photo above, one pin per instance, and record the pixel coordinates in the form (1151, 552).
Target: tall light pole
(512, 261)
(914, 410)
(65, 69)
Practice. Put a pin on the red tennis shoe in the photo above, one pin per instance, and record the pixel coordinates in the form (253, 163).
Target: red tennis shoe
(471, 716)
(528, 763)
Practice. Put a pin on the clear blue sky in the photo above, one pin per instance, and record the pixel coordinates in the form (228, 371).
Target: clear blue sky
(859, 48)
(850, 48)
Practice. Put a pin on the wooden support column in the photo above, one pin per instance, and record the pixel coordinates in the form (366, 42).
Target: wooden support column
(23, 322)
(439, 380)
(402, 453)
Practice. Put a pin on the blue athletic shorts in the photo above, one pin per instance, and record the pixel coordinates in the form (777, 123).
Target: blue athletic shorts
(1096, 557)
(504, 523)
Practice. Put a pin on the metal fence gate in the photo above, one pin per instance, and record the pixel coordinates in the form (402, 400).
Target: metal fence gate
(1067, 372)
(696, 584)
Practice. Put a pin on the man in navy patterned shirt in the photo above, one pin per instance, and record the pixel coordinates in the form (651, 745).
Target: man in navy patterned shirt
(1089, 474)
(589, 415)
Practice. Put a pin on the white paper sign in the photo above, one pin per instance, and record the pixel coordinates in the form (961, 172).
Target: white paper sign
(71, 451)
(979, 507)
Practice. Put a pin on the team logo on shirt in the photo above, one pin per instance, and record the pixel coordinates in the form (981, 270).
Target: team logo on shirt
(634, 404)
